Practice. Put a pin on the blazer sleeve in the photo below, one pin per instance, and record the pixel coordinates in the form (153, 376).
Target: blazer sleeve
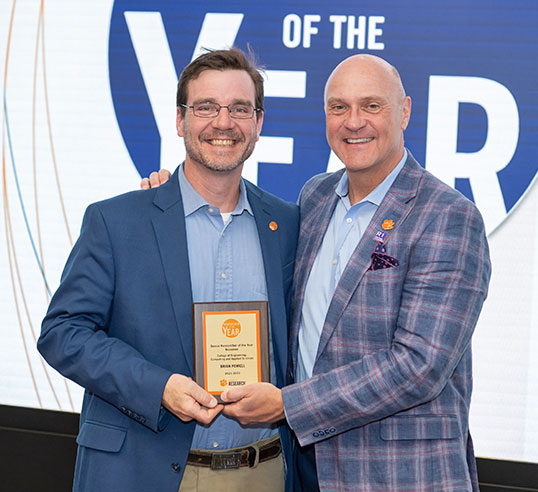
(74, 334)
(442, 295)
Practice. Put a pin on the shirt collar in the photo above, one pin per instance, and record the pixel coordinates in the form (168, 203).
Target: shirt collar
(192, 201)
(378, 193)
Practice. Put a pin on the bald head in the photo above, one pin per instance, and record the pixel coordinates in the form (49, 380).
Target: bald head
(367, 112)
(369, 66)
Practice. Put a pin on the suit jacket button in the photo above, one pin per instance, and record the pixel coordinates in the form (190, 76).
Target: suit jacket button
(176, 467)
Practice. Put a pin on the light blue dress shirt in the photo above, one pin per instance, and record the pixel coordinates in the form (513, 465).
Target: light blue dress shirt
(226, 264)
(345, 230)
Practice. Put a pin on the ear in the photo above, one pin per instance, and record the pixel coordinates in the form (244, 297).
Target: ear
(259, 124)
(406, 112)
(179, 122)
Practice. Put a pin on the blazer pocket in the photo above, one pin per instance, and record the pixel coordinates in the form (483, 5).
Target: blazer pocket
(102, 437)
(420, 427)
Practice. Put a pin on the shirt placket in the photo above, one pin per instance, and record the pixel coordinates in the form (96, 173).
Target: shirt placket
(224, 266)
(348, 223)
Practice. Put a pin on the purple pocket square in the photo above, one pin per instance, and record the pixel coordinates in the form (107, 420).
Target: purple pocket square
(380, 259)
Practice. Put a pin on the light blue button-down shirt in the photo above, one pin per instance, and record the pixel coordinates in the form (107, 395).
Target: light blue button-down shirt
(345, 230)
(226, 264)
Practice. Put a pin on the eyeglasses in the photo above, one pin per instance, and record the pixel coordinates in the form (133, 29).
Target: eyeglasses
(211, 110)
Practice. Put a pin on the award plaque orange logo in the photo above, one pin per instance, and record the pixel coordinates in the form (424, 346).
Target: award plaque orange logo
(231, 328)
(223, 382)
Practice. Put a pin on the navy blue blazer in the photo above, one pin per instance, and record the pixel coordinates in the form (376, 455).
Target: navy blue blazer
(120, 324)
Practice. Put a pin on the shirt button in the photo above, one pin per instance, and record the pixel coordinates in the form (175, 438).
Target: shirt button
(215, 444)
(334, 262)
(349, 220)
(210, 210)
(222, 275)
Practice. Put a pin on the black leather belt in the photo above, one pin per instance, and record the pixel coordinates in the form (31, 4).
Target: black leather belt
(231, 460)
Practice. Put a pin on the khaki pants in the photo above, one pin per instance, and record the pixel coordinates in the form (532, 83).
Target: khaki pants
(262, 477)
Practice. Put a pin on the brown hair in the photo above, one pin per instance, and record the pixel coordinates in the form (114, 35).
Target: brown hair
(231, 59)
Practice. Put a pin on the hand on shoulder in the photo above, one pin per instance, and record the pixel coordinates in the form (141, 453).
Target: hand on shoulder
(155, 179)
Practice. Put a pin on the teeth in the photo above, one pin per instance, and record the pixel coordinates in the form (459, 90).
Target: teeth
(359, 140)
(222, 142)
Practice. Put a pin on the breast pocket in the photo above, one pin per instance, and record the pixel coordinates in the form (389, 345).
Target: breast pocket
(382, 288)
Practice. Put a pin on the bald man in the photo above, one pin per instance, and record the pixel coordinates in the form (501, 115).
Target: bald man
(391, 274)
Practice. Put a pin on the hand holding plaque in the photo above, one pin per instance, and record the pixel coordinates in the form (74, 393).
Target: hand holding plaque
(231, 344)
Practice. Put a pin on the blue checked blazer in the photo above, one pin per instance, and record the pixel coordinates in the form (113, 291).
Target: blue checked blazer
(388, 404)
(121, 323)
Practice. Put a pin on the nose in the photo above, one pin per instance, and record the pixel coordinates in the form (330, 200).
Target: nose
(223, 120)
(355, 119)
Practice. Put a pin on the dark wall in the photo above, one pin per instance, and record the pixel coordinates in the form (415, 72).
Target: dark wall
(37, 454)
(507, 476)
(37, 449)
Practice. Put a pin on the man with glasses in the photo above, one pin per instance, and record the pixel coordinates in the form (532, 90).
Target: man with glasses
(120, 323)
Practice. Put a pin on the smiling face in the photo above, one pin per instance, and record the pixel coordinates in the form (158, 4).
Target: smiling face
(366, 113)
(222, 143)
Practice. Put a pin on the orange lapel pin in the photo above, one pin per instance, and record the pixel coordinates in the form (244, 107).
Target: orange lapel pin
(387, 224)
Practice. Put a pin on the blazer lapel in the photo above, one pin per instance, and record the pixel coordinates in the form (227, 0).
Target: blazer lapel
(272, 262)
(395, 206)
(316, 213)
(314, 224)
(169, 227)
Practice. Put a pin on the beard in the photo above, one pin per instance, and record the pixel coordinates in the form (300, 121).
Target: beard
(224, 161)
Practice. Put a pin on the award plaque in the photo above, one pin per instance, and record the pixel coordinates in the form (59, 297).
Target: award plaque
(231, 344)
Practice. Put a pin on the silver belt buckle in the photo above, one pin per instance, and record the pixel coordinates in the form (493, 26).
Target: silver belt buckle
(225, 461)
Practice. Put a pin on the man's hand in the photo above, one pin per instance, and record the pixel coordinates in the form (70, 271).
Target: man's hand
(254, 403)
(155, 179)
(188, 401)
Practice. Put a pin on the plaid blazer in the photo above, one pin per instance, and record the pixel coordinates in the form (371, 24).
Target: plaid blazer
(388, 404)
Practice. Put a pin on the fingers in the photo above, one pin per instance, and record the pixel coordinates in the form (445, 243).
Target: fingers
(200, 395)
(238, 403)
(188, 401)
(237, 411)
(164, 175)
(254, 403)
(232, 395)
(155, 179)
(230, 410)
(206, 415)
(193, 411)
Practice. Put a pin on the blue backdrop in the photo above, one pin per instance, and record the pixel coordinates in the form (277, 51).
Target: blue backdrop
(483, 38)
